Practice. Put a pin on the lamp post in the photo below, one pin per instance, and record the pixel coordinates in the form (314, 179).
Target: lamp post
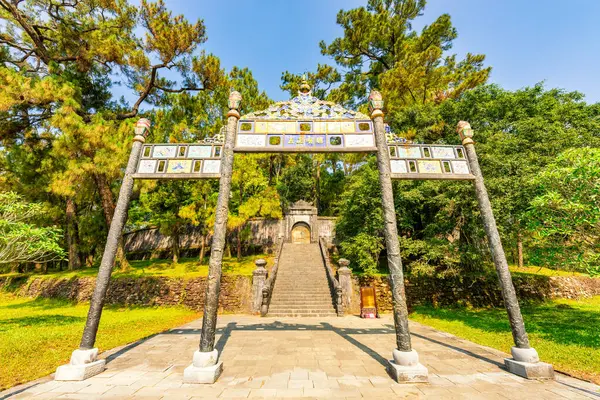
(405, 367)
(525, 361)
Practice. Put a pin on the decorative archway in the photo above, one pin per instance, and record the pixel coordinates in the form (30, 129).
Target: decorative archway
(304, 124)
(300, 233)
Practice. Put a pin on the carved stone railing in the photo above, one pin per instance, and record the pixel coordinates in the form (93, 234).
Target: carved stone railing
(267, 290)
(334, 284)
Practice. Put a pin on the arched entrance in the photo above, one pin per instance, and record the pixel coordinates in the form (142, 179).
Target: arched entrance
(301, 233)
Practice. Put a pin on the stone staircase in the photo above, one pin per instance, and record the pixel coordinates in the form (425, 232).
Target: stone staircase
(301, 288)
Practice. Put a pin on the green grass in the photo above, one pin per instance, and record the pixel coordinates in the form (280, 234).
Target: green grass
(543, 271)
(38, 335)
(526, 270)
(186, 268)
(566, 333)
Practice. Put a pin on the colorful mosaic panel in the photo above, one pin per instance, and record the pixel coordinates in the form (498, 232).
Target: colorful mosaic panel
(420, 161)
(191, 161)
(288, 136)
(164, 151)
(199, 151)
(179, 166)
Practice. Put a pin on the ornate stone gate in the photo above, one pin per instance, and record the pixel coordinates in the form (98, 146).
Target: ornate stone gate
(304, 124)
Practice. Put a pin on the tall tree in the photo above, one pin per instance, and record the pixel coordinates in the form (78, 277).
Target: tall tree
(380, 50)
(56, 60)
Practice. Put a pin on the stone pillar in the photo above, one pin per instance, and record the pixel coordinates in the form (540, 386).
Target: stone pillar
(83, 362)
(345, 278)
(205, 367)
(525, 361)
(259, 276)
(405, 367)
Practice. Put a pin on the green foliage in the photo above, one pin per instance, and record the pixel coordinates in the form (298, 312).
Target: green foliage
(21, 240)
(363, 249)
(297, 182)
(564, 218)
(359, 227)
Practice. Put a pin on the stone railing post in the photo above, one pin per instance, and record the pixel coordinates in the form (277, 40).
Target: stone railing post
(83, 360)
(525, 361)
(259, 277)
(345, 278)
(405, 366)
(206, 366)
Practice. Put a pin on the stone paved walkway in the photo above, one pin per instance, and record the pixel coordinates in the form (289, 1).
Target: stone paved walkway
(308, 358)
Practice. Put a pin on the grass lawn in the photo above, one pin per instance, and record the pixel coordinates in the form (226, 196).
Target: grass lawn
(38, 335)
(566, 333)
(186, 268)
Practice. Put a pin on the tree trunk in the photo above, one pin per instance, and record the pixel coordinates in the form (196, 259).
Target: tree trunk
(108, 207)
(72, 235)
(175, 241)
(520, 249)
(239, 243)
(202, 248)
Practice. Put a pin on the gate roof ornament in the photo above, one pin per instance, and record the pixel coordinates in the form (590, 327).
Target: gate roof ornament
(305, 106)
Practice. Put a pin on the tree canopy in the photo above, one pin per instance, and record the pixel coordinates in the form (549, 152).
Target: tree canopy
(65, 139)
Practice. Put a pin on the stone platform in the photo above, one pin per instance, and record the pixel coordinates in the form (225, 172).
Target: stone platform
(305, 358)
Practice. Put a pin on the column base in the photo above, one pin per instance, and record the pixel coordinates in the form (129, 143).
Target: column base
(70, 372)
(408, 374)
(405, 367)
(539, 370)
(83, 365)
(526, 363)
(210, 374)
(205, 368)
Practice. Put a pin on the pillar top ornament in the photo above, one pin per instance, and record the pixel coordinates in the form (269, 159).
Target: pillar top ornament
(234, 102)
(142, 129)
(375, 104)
(465, 132)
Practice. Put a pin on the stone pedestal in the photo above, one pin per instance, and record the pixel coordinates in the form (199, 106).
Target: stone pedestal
(526, 363)
(259, 277)
(205, 368)
(345, 278)
(83, 365)
(405, 367)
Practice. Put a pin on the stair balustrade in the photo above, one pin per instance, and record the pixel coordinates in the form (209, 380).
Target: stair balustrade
(267, 292)
(334, 284)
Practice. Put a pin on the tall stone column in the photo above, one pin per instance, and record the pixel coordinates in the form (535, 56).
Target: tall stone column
(259, 277)
(83, 362)
(206, 366)
(405, 367)
(525, 361)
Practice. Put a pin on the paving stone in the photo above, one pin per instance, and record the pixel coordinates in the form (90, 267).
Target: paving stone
(306, 358)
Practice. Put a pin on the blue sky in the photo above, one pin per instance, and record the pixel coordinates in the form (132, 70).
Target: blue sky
(525, 41)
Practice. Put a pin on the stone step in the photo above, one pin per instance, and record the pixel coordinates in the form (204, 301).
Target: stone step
(302, 288)
(303, 311)
(319, 306)
(302, 315)
(302, 298)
